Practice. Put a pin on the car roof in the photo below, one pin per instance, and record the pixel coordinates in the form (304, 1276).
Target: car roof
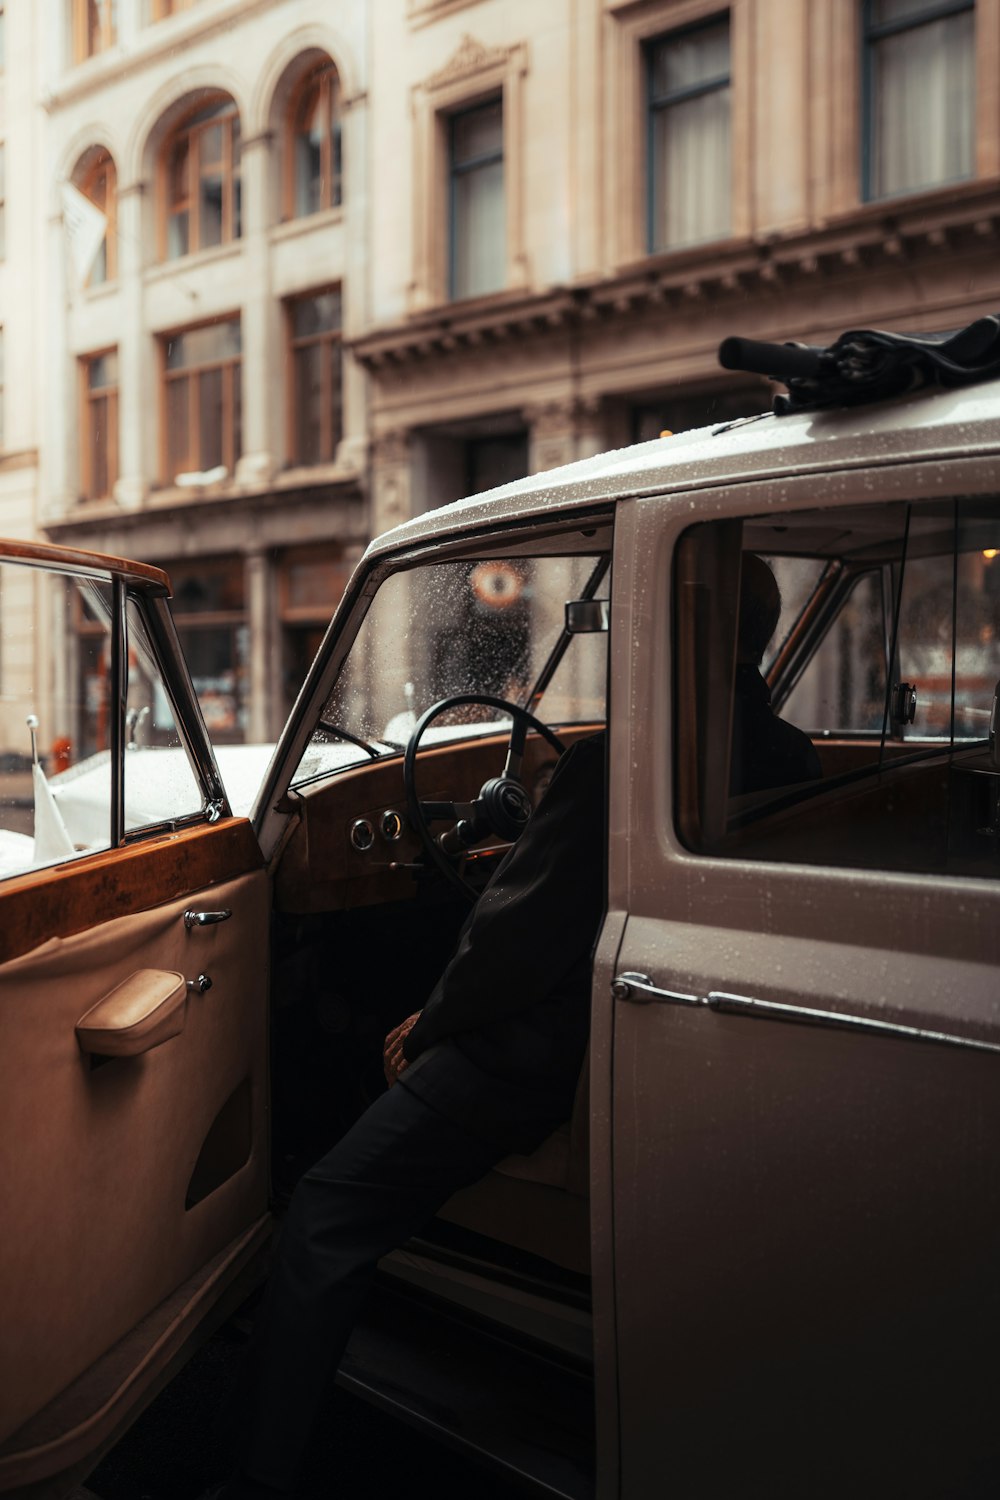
(929, 424)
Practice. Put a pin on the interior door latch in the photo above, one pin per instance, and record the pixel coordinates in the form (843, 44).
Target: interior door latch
(904, 703)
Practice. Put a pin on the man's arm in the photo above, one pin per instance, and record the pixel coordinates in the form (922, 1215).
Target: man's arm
(537, 917)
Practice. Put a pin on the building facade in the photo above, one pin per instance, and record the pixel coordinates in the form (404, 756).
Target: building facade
(196, 408)
(362, 259)
(591, 194)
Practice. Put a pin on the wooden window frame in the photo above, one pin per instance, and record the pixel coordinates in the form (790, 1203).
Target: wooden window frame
(332, 189)
(88, 399)
(329, 440)
(232, 371)
(107, 30)
(193, 128)
(162, 9)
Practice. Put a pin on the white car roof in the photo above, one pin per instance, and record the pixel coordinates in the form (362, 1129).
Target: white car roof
(929, 424)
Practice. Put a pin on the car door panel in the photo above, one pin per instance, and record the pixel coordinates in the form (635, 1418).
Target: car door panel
(806, 1209)
(125, 1175)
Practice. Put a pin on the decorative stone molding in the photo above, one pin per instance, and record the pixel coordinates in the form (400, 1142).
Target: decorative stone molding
(423, 12)
(473, 72)
(470, 57)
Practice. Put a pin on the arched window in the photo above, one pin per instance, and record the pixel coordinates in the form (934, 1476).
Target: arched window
(200, 180)
(313, 159)
(97, 180)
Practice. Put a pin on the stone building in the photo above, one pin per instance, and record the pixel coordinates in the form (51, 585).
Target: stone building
(364, 258)
(195, 408)
(573, 203)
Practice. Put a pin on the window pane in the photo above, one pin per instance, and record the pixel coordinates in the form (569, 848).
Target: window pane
(477, 133)
(178, 434)
(333, 356)
(479, 232)
(691, 185)
(202, 346)
(62, 807)
(217, 658)
(923, 82)
(308, 399)
(98, 438)
(311, 315)
(925, 645)
(213, 587)
(843, 688)
(693, 57)
(159, 782)
(102, 371)
(309, 152)
(887, 11)
(210, 419)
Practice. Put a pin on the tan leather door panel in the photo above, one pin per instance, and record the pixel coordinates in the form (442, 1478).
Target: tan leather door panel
(123, 1176)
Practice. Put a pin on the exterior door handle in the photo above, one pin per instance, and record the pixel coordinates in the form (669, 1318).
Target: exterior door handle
(205, 918)
(640, 990)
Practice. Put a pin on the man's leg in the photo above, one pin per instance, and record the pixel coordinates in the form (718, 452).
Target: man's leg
(383, 1181)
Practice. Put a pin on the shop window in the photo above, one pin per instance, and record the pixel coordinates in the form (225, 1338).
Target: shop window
(99, 427)
(200, 181)
(97, 180)
(313, 164)
(209, 610)
(919, 96)
(477, 228)
(689, 136)
(315, 388)
(202, 413)
(310, 585)
(95, 27)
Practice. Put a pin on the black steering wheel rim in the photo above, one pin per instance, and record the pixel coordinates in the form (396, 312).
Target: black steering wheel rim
(418, 820)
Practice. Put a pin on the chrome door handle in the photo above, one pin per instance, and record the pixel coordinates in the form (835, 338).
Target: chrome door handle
(640, 990)
(205, 918)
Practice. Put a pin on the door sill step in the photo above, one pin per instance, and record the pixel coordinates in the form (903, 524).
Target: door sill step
(526, 1416)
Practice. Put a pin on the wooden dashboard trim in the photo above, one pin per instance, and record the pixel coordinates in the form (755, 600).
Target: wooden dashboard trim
(66, 899)
(320, 871)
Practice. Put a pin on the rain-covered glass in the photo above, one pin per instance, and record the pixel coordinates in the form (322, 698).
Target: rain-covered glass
(461, 627)
(159, 782)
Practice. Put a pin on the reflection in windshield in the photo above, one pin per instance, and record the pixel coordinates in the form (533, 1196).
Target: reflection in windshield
(484, 626)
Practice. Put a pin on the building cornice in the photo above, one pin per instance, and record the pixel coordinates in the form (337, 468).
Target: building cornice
(873, 239)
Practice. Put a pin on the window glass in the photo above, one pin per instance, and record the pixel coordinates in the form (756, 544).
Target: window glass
(921, 95)
(202, 405)
(209, 612)
(200, 180)
(316, 143)
(689, 137)
(159, 783)
(846, 748)
(478, 217)
(461, 627)
(315, 393)
(55, 762)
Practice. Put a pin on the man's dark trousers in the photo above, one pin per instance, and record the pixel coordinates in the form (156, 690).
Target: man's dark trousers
(380, 1184)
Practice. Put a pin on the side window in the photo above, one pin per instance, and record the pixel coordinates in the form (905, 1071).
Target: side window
(860, 739)
(159, 783)
(55, 758)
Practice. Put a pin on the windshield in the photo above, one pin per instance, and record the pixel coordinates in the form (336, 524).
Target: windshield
(493, 626)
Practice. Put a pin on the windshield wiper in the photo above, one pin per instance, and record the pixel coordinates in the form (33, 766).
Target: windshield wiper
(353, 739)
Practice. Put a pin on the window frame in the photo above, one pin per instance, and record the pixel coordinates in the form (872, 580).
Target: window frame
(326, 73)
(467, 168)
(88, 399)
(230, 391)
(671, 99)
(215, 108)
(107, 29)
(331, 434)
(871, 34)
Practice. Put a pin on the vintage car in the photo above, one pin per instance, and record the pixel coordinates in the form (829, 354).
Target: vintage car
(762, 1255)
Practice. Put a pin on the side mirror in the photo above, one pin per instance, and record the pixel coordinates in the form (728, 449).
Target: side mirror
(586, 616)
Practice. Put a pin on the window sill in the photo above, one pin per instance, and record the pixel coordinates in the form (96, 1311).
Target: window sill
(163, 270)
(291, 229)
(103, 289)
(947, 200)
(310, 476)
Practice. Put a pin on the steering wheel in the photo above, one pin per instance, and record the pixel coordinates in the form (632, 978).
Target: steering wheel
(502, 807)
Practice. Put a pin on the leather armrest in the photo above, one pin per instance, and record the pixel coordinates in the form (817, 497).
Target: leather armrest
(142, 1012)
